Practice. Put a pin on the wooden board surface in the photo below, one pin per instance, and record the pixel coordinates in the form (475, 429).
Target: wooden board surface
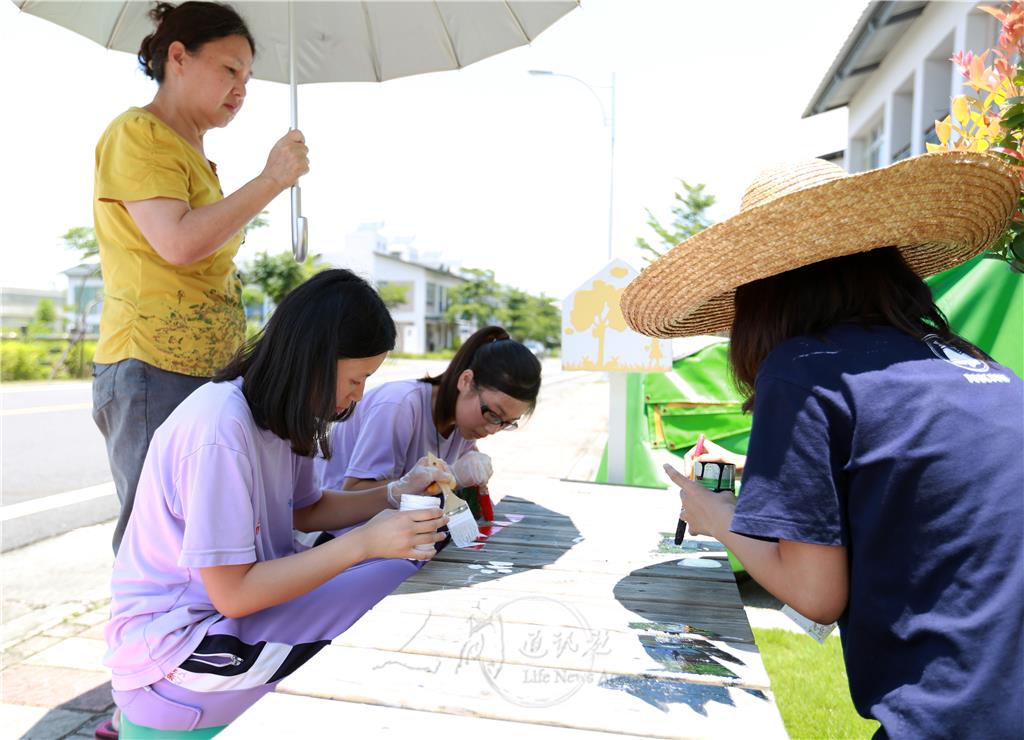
(574, 618)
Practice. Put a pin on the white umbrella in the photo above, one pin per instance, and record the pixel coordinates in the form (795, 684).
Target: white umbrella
(302, 42)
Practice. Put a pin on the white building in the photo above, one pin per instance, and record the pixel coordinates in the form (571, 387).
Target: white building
(895, 75)
(422, 326)
(18, 306)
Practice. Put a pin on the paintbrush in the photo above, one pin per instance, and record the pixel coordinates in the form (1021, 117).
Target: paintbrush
(698, 449)
(461, 522)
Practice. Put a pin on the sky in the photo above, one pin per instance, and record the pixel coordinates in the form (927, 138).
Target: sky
(490, 166)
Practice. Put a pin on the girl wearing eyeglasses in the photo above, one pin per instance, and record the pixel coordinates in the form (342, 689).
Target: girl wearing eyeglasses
(491, 383)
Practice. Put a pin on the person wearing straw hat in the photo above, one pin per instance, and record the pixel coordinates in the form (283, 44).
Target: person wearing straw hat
(884, 473)
(172, 308)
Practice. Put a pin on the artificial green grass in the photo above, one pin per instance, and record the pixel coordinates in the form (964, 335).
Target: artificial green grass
(809, 683)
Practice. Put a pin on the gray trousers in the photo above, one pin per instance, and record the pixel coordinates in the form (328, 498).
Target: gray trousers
(130, 399)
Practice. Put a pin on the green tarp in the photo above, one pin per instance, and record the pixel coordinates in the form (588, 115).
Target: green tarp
(983, 300)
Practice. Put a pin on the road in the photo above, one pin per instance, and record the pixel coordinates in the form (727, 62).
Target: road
(55, 476)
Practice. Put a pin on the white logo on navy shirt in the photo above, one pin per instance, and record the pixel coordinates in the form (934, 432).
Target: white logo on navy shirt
(954, 356)
(978, 369)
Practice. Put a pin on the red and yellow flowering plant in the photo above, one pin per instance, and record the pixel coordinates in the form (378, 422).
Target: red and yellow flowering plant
(992, 118)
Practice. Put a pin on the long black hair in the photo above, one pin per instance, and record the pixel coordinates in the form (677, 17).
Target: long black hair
(191, 23)
(869, 288)
(498, 362)
(290, 368)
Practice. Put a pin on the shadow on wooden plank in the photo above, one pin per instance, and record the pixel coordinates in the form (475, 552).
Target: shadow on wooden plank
(518, 522)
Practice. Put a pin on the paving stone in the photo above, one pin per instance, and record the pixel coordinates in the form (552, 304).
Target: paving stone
(88, 728)
(27, 648)
(95, 632)
(66, 629)
(38, 723)
(74, 652)
(96, 616)
(45, 686)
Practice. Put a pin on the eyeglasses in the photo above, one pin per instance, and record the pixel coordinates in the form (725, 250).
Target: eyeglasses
(492, 419)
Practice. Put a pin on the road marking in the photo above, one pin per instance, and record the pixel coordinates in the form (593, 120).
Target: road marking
(46, 409)
(56, 501)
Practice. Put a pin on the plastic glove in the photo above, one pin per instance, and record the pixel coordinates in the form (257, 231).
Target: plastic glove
(472, 469)
(416, 481)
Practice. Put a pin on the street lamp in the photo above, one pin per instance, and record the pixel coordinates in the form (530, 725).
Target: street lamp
(607, 121)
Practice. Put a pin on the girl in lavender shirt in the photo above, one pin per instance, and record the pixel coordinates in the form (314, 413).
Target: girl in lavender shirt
(490, 384)
(213, 602)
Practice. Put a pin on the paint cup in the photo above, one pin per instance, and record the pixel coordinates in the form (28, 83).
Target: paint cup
(418, 502)
(715, 476)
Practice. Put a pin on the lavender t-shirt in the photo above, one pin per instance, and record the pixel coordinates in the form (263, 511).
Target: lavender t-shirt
(392, 428)
(215, 490)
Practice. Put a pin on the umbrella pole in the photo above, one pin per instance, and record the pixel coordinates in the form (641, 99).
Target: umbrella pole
(300, 237)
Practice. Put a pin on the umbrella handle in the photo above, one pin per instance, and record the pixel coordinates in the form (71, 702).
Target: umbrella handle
(300, 235)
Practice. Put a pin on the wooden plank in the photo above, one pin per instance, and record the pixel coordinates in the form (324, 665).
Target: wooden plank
(724, 623)
(580, 646)
(578, 699)
(291, 716)
(440, 576)
(666, 565)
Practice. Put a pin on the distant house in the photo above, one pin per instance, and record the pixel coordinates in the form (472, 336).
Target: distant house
(895, 75)
(84, 297)
(18, 306)
(422, 326)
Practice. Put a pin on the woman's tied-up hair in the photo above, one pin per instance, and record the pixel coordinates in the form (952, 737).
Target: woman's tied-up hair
(497, 361)
(290, 368)
(191, 23)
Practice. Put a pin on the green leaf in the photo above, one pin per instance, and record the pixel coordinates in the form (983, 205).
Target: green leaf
(1016, 122)
(1013, 110)
(1017, 246)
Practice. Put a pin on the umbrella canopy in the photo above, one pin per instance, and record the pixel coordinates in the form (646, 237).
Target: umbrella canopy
(339, 41)
(303, 42)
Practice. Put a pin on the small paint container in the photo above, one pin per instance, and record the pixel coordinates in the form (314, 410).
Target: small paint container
(715, 476)
(418, 502)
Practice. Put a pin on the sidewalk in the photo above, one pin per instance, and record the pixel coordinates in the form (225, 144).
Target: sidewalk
(53, 683)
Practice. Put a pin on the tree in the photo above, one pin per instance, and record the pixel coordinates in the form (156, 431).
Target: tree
(688, 218)
(43, 319)
(277, 275)
(46, 312)
(393, 294)
(533, 317)
(256, 222)
(479, 300)
(83, 240)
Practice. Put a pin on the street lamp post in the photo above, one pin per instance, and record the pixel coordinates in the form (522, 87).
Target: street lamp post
(609, 122)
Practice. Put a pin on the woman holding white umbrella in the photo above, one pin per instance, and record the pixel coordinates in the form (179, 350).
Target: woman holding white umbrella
(172, 311)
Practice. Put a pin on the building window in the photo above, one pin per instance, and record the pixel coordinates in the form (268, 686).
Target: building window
(432, 297)
(873, 148)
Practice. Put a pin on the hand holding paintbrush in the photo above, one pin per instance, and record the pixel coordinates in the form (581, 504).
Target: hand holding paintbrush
(461, 523)
(698, 449)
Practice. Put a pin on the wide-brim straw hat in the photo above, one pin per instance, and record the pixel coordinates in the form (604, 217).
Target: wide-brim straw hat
(939, 209)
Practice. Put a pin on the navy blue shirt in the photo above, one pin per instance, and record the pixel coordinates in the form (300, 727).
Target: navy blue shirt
(910, 454)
